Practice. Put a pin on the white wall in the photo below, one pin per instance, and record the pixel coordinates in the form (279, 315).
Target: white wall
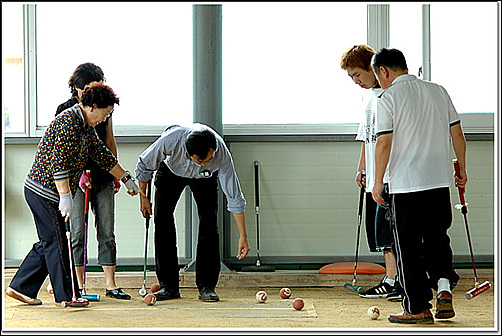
(308, 201)
(309, 198)
(20, 233)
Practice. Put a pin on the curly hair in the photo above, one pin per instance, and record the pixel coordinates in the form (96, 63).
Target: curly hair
(84, 74)
(358, 56)
(100, 94)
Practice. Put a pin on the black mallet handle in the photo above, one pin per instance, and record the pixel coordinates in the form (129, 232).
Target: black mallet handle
(257, 209)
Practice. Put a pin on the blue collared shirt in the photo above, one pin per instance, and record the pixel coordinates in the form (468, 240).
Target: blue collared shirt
(170, 148)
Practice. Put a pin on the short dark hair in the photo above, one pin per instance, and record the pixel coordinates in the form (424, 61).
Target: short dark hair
(392, 59)
(84, 74)
(200, 142)
(100, 94)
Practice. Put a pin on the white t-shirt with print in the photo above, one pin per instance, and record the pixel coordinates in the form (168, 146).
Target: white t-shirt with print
(366, 133)
(419, 115)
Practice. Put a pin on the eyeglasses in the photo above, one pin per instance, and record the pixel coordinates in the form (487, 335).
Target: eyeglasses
(201, 162)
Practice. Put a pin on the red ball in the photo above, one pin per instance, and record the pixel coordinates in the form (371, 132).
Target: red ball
(285, 293)
(150, 299)
(155, 288)
(298, 304)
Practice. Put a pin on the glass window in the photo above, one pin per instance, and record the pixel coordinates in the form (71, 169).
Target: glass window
(464, 53)
(12, 68)
(281, 62)
(144, 49)
(406, 33)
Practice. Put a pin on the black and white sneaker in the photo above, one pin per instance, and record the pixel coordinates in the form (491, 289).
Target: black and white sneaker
(396, 295)
(379, 291)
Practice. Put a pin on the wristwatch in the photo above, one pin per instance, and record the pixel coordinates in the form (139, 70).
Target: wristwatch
(126, 177)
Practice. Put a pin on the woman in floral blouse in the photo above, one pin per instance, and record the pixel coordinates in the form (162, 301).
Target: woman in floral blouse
(68, 143)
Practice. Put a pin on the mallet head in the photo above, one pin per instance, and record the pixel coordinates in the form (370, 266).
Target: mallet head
(478, 289)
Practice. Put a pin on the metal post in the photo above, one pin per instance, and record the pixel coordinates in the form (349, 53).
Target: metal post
(426, 42)
(207, 89)
(207, 73)
(378, 26)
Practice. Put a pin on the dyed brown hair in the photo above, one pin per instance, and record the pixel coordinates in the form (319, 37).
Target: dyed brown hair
(358, 56)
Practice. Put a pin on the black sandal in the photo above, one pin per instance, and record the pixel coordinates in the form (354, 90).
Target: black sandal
(118, 294)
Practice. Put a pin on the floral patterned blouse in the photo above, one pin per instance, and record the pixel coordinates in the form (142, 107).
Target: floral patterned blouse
(63, 151)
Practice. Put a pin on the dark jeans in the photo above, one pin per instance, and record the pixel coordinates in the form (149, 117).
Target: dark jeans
(423, 252)
(49, 255)
(169, 188)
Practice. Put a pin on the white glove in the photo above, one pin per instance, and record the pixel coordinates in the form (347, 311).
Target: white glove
(65, 205)
(130, 183)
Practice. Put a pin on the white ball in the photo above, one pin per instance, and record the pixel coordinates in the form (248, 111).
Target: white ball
(261, 296)
(373, 312)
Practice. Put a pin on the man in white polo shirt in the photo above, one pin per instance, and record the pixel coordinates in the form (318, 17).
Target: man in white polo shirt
(414, 124)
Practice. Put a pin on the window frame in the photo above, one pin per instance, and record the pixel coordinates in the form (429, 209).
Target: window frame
(378, 35)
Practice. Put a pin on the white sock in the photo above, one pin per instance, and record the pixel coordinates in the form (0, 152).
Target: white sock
(443, 285)
(390, 281)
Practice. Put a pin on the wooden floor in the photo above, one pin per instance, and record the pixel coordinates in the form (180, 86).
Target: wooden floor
(328, 306)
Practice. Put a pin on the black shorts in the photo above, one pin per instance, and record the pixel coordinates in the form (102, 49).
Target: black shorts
(378, 219)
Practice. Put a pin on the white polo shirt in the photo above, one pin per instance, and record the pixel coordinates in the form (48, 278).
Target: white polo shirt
(419, 115)
(366, 133)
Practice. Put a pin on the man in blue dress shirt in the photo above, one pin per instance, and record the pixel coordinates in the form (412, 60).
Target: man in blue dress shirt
(194, 156)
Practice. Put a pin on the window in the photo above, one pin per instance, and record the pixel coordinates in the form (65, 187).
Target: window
(12, 68)
(406, 33)
(144, 49)
(464, 49)
(281, 62)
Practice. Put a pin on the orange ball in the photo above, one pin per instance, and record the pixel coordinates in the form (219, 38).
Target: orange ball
(298, 304)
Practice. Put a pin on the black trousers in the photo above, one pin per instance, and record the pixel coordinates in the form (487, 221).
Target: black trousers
(422, 245)
(378, 218)
(169, 188)
(49, 255)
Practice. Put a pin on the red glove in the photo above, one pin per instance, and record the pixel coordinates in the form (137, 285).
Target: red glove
(85, 181)
(116, 182)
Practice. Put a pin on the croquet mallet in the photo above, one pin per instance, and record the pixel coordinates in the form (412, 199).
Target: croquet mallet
(478, 288)
(80, 302)
(143, 290)
(353, 287)
(90, 297)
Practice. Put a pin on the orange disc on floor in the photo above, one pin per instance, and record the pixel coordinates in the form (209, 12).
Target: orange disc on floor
(348, 268)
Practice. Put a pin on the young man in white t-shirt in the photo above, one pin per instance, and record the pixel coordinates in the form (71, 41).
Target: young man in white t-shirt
(415, 122)
(357, 62)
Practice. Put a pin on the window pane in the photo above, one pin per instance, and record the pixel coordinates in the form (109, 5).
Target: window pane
(144, 49)
(406, 33)
(464, 53)
(12, 68)
(281, 62)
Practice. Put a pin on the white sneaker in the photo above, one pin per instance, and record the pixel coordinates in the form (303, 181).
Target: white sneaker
(21, 297)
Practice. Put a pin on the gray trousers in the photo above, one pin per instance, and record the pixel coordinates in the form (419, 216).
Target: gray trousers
(102, 204)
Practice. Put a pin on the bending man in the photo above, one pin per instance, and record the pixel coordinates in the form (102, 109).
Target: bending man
(194, 156)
